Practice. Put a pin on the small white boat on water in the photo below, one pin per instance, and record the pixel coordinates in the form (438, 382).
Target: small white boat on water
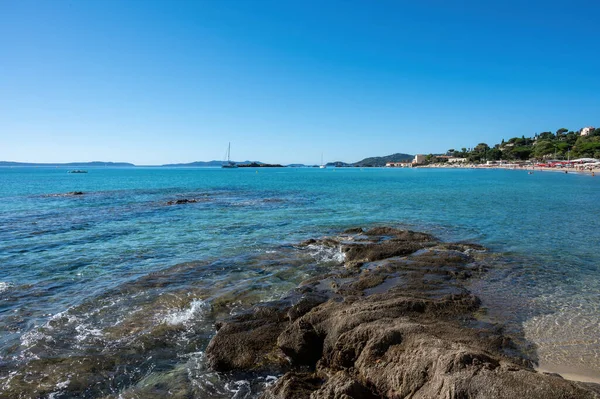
(322, 166)
(229, 164)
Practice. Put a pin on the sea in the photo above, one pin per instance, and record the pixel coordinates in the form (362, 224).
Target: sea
(111, 282)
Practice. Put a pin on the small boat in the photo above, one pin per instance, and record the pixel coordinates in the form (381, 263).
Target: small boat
(322, 166)
(229, 164)
(77, 171)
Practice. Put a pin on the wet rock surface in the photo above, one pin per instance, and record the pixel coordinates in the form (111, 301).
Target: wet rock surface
(397, 322)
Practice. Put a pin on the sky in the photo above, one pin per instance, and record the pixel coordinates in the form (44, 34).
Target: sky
(155, 82)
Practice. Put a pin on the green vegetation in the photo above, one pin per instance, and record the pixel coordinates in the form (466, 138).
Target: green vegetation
(563, 144)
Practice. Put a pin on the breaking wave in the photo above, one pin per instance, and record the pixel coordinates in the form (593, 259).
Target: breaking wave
(197, 308)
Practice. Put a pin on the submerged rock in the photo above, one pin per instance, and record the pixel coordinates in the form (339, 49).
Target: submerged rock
(69, 194)
(183, 201)
(398, 322)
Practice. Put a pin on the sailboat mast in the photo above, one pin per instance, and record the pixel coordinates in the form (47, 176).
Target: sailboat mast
(228, 151)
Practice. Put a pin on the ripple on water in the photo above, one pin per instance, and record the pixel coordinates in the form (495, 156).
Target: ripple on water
(566, 340)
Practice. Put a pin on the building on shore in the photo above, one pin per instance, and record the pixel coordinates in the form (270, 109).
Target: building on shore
(398, 165)
(419, 159)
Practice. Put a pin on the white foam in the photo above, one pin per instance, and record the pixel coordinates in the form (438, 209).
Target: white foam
(32, 337)
(270, 380)
(63, 384)
(240, 389)
(60, 386)
(84, 332)
(197, 308)
(5, 385)
(326, 254)
(4, 286)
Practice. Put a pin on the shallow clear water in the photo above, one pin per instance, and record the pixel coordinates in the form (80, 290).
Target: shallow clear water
(98, 272)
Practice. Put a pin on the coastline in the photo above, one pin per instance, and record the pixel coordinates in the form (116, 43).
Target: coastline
(591, 172)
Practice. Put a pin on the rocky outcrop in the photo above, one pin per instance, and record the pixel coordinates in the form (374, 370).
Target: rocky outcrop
(397, 322)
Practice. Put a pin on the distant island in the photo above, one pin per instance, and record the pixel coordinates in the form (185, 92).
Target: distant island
(260, 165)
(95, 164)
(367, 162)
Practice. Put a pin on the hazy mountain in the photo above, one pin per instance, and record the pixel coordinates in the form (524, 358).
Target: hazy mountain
(371, 161)
(70, 164)
(206, 164)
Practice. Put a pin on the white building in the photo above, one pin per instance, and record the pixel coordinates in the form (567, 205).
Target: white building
(586, 130)
(419, 159)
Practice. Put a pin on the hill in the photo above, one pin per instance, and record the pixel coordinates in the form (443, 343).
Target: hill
(381, 161)
(70, 164)
(207, 164)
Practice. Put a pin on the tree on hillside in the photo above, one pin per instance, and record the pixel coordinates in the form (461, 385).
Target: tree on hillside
(481, 147)
(479, 153)
(546, 136)
(587, 146)
(543, 148)
(494, 154)
(522, 153)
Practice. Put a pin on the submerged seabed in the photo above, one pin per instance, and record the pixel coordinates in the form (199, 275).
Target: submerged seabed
(146, 338)
(124, 284)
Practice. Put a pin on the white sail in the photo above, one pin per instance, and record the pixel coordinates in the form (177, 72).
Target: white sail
(229, 163)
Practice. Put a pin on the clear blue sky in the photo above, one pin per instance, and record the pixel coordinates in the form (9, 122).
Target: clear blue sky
(155, 82)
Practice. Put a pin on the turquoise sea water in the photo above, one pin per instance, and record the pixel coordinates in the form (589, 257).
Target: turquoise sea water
(98, 272)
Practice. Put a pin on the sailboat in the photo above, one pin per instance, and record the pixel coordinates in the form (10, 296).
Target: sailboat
(323, 166)
(229, 163)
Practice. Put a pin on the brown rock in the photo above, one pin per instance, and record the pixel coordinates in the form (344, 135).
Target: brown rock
(398, 328)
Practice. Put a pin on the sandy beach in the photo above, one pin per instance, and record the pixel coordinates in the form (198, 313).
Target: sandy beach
(586, 171)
